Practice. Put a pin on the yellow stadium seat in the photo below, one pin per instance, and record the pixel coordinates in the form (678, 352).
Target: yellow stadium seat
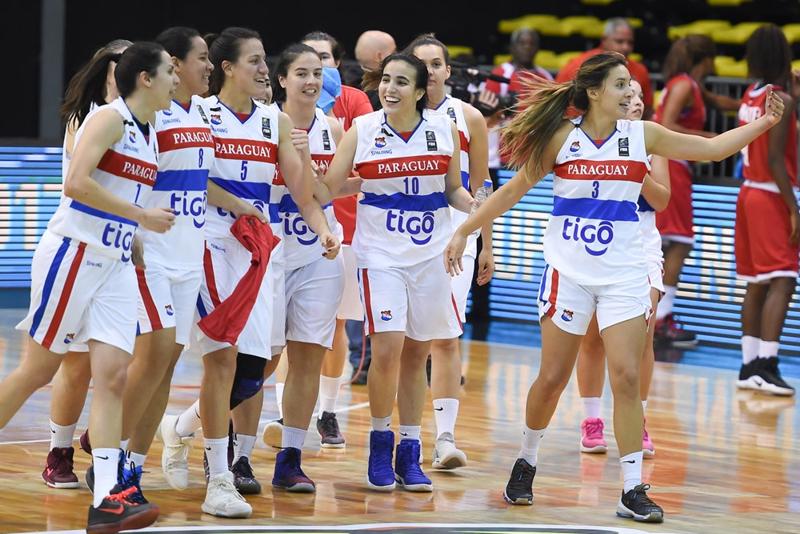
(535, 22)
(636, 57)
(726, 3)
(569, 26)
(703, 27)
(499, 59)
(792, 32)
(564, 57)
(656, 99)
(597, 2)
(546, 59)
(796, 65)
(730, 67)
(738, 34)
(456, 50)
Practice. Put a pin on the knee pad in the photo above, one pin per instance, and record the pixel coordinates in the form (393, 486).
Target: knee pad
(249, 378)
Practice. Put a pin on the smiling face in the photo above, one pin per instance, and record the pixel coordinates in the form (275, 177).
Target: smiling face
(303, 80)
(165, 82)
(438, 71)
(615, 95)
(397, 90)
(249, 73)
(195, 70)
(636, 108)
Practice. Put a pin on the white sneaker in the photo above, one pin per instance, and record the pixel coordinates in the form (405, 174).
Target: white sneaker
(222, 498)
(273, 433)
(173, 457)
(445, 453)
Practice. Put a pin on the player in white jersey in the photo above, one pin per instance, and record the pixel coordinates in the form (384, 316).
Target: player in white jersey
(250, 139)
(313, 283)
(83, 282)
(408, 161)
(591, 356)
(592, 245)
(446, 373)
(92, 86)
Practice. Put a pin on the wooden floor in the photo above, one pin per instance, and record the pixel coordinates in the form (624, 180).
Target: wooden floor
(726, 461)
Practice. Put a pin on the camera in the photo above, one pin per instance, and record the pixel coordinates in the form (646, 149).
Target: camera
(465, 82)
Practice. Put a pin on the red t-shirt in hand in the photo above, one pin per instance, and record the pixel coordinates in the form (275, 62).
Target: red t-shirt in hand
(227, 320)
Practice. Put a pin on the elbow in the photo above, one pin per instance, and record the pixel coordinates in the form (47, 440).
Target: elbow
(660, 205)
(72, 188)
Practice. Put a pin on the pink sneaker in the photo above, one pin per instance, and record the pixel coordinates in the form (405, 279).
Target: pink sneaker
(593, 441)
(647, 446)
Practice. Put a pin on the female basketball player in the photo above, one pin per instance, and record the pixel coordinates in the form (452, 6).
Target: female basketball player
(83, 282)
(408, 163)
(592, 245)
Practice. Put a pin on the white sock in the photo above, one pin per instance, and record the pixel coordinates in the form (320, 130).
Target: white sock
(293, 437)
(411, 432)
(106, 464)
(243, 446)
(217, 455)
(644, 404)
(631, 470)
(768, 349)
(189, 421)
(134, 458)
(750, 347)
(665, 306)
(591, 407)
(530, 445)
(124, 445)
(61, 437)
(382, 423)
(328, 393)
(445, 411)
(279, 398)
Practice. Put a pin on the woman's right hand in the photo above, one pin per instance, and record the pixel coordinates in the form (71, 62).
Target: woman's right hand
(453, 253)
(157, 219)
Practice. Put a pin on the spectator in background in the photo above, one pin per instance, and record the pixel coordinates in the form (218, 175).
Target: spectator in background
(372, 47)
(617, 37)
(523, 46)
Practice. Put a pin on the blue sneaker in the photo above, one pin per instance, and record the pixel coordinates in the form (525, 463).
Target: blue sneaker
(289, 475)
(408, 472)
(132, 479)
(380, 475)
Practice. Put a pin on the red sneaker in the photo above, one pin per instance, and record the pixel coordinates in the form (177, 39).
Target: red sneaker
(58, 472)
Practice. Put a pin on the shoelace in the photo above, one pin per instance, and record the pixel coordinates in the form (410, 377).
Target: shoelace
(639, 491)
(122, 497)
(131, 480)
(521, 477)
(227, 486)
(243, 469)
(594, 427)
(330, 425)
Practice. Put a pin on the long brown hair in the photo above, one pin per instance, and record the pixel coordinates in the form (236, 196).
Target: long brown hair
(687, 52)
(544, 107)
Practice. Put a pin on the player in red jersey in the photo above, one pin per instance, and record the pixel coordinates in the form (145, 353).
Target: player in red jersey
(683, 109)
(767, 231)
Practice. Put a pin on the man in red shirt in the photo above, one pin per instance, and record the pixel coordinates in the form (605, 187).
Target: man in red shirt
(617, 37)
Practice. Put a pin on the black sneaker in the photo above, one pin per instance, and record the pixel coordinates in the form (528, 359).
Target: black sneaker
(636, 505)
(746, 372)
(243, 477)
(771, 380)
(519, 489)
(330, 437)
(117, 512)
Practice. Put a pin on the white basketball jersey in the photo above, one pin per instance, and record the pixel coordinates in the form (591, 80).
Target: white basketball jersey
(454, 108)
(651, 238)
(185, 156)
(127, 169)
(403, 217)
(593, 235)
(245, 155)
(300, 244)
